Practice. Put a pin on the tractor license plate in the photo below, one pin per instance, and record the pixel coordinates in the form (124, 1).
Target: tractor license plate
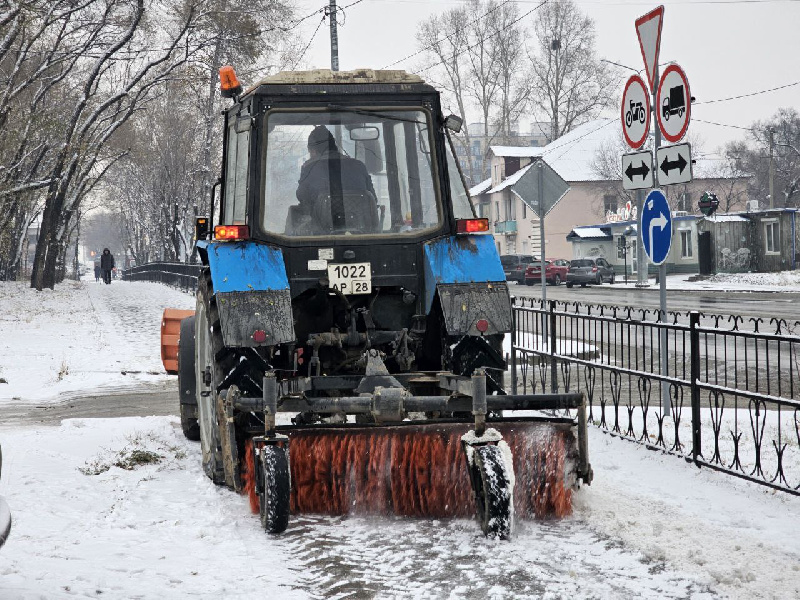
(351, 278)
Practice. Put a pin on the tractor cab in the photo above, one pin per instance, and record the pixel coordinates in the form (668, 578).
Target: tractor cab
(348, 183)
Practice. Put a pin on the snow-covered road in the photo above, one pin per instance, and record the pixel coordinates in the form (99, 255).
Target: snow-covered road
(649, 526)
(163, 530)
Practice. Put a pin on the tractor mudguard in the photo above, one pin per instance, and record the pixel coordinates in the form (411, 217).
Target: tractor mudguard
(252, 291)
(466, 273)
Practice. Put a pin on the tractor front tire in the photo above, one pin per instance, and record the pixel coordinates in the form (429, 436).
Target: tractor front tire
(275, 488)
(493, 492)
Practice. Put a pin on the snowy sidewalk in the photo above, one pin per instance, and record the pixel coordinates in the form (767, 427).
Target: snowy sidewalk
(782, 281)
(82, 336)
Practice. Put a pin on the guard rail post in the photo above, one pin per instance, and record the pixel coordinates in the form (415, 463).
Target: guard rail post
(694, 358)
(551, 313)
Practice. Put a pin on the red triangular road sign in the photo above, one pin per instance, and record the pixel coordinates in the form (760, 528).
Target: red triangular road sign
(648, 28)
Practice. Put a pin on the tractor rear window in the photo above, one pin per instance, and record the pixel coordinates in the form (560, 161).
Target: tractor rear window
(349, 172)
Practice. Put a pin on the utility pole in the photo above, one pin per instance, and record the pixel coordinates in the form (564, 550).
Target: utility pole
(331, 14)
(771, 167)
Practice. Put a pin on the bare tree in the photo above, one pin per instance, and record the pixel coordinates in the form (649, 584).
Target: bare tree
(569, 85)
(752, 157)
(445, 38)
(506, 47)
(110, 92)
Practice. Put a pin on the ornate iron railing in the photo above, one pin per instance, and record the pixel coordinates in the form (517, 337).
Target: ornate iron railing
(179, 275)
(733, 388)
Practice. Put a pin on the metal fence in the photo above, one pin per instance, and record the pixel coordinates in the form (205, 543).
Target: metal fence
(733, 384)
(179, 275)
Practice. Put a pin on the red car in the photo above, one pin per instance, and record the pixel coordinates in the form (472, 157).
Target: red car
(555, 271)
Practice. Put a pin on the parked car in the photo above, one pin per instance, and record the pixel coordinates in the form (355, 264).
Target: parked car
(555, 271)
(589, 270)
(514, 265)
(5, 513)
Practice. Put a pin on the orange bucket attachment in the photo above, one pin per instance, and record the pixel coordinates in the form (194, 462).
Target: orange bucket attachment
(170, 332)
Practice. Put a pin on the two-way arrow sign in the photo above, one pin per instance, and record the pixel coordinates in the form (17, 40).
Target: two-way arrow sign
(674, 164)
(637, 170)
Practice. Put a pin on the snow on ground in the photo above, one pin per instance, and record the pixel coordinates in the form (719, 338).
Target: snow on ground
(81, 336)
(782, 281)
(650, 525)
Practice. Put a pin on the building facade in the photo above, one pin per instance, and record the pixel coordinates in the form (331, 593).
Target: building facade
(591, 200)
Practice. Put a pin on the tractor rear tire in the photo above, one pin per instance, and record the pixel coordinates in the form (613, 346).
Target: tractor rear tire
(276, 488)
(493, 498)
(187, 382)
(207, 372)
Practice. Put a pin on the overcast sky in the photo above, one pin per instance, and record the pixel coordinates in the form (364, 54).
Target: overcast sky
(726, 47)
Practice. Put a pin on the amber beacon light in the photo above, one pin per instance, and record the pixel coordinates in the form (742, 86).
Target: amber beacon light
(228, 83)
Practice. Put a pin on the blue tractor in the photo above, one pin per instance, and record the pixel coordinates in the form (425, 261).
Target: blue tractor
(348, 281)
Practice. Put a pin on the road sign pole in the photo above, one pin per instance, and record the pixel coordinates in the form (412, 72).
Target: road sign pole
(662, 279)
(641, 255)
(540, 177)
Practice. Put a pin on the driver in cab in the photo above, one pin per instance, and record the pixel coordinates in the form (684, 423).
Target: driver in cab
(329, 172)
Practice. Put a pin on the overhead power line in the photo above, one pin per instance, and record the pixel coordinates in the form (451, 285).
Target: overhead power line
(468, 48)
(429, 46)
(303, 53)
(780, 87)
(723, 125)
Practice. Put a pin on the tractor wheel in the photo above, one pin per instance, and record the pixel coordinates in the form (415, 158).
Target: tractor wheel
(206, 376)
(275, 488)
(493, 492)
(187, 384)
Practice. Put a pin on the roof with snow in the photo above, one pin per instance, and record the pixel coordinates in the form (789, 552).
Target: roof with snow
(590, 233)
(509, 180)
(723, 218)
(481, 187)
(517, 151)
(572, 156)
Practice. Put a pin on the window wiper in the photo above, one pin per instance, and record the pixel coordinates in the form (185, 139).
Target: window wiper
(372, 113)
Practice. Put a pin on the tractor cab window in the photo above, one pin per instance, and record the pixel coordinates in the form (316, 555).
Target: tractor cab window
(349, 172)
(238, 151)
(462, 205)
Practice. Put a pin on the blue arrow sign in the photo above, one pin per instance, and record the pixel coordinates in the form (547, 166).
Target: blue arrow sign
(655, 225)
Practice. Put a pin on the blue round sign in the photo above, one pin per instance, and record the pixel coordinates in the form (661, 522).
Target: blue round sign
(655, 226)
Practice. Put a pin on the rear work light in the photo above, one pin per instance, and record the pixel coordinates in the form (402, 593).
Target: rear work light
(472, 225)
(232, 233)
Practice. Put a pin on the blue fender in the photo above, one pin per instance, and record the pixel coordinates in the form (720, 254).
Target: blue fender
(252, 292)
(465, 271)
(244, 266)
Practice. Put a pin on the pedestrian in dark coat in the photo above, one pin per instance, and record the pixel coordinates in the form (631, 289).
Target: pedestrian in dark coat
(106, 264)
(97, 271)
